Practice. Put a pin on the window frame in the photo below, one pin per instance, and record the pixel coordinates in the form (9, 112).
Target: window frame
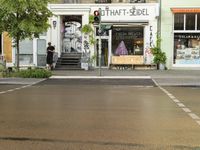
(184, 31)
(184, 26)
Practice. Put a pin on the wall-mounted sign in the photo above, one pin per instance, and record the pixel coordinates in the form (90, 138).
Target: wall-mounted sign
(102, 1)
(127, 13)
(187, 35)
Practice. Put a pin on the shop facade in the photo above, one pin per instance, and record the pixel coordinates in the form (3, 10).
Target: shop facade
(180, 33)
(133, 24)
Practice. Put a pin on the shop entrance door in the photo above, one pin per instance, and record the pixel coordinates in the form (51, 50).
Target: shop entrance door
(104, 53)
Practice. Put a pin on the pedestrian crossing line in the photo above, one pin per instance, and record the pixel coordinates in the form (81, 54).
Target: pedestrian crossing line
(180, 104)
(198, 122)
(100, 77)
(19, 88)
(15, 89)
(11, 90)
(135, 86)
(195, 117)
(171, 96)
(187, 110)
(183, 107)
(176, 100)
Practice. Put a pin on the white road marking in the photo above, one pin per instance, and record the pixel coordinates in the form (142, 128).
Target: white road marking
(181, 105)
(19, 88)
(187, 110)
(10, 90)
(198, 122)
(176, 100)
(100, 77)
(171, 96)
(194, 116)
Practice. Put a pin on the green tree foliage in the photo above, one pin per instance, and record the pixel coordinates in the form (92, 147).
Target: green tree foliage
(88, 29)
(24, 19)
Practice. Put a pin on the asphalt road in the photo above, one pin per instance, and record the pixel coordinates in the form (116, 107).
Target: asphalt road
(69, 115)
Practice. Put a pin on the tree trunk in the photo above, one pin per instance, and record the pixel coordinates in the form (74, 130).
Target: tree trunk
(17, 46)
(158, 66)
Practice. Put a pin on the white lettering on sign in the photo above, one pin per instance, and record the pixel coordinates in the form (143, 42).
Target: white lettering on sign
(125, 12)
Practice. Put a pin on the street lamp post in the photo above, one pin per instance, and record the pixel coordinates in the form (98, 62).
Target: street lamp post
(100, 30)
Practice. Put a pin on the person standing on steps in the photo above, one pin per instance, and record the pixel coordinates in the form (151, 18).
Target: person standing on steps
(50, 51)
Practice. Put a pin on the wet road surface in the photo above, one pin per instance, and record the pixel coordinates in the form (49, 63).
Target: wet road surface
(105, 81)
(5, 87)
(73, 116)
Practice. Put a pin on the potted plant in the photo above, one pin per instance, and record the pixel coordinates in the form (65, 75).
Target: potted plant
(160, 59)
(159, 56)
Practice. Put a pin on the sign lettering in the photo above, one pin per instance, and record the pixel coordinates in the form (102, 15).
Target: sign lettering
(151, 36)
(125, 12)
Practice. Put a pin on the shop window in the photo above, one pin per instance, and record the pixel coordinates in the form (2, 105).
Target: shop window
(187, 39)
(190, 21)
(198, 21)
(26, 52)
(137, 1)
(41, 52)
(131, 37)
(103, 1)
(71, 1)
(187, 48)
(179, 22)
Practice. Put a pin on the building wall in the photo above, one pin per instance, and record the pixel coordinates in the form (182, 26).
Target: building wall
(39, 46)
(7, 47)
(167, 25)
(147, 21)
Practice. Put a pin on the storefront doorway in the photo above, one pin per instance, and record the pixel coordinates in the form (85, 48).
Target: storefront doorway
(104, 52)
(71, 33)
(105, 47)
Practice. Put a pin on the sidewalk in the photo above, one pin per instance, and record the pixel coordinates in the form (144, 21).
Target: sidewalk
(163, 78)
(152, 73)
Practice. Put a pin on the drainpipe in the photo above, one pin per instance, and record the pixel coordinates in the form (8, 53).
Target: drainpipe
(159, 20)
(160, 10)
